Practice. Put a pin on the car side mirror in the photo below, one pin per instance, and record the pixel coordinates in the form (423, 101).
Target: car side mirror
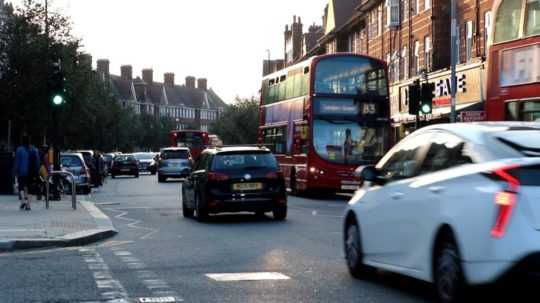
(369, 173)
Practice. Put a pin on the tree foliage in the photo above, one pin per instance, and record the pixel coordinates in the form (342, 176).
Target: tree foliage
(91, 117)
(239, 123)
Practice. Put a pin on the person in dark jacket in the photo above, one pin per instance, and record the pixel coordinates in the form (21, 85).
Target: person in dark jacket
(27, 165)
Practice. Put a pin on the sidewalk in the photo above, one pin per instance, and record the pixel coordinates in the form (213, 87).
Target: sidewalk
(57, 227)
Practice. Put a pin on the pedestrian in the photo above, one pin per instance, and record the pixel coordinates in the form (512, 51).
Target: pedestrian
(44, 170)
(27, 165)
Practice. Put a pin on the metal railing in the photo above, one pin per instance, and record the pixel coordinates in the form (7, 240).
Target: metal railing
(73, 187)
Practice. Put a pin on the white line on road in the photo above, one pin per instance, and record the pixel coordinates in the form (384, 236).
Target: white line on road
(254, 276)
(134, 223)
(111, 289)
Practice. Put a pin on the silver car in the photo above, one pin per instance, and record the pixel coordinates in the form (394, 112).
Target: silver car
(74, 163)
(174, 162)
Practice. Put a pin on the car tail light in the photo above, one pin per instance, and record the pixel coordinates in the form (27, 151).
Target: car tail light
(506, 200)
(274, 175)
(281, 200)
(217, 177)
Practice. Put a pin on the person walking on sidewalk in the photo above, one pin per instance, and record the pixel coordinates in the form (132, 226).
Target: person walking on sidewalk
(27, 165)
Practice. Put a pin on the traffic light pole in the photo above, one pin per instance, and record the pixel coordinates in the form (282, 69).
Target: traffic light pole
(453, 62)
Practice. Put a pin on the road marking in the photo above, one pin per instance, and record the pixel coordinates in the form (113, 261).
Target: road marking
(159, 300)
(160, 289)
(255, 276)
(134, 223)
(111, 290)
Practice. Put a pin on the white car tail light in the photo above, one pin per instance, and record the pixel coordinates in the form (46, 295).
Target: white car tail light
(506, 200)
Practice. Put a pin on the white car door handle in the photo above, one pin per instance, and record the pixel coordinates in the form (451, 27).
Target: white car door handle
(436, 189)
(397, 196)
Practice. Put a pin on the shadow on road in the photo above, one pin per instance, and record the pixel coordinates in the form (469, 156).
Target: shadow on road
(241, 218)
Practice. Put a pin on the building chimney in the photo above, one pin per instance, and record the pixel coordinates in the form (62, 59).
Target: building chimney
(190, 82)
(103, 68)
(168, 79)
(85, 61)
(126, 72)
(202, 83)
(148, 75)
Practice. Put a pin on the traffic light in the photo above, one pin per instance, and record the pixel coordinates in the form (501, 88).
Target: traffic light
(426, 100)
(56, 85)
(414, 98)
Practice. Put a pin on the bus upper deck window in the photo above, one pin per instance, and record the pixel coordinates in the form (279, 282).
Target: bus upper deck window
(508, 21)
(532, 18)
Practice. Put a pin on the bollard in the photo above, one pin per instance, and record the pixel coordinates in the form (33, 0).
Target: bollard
(73, 187)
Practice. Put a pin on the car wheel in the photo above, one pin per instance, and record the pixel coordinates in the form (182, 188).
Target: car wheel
(202, 214)
(136, 175)
(280, 213)
(353, 251)
(186, 211)
(448, 274)
(161, 179)
(153, 172)
(113, 176)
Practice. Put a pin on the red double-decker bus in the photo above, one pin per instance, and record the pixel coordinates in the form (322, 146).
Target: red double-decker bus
(513, 80)
(324, 117)
(195, 140)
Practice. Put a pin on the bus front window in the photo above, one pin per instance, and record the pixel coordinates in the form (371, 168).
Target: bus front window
(346, 142)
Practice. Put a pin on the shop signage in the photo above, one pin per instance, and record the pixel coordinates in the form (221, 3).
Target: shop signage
(473, 116)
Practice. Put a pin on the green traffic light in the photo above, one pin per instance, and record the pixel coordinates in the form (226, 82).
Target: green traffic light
(58, 100)
(426, 109)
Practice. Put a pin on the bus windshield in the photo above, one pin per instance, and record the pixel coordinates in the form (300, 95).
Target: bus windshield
(350, 75)
(347, 142)
(190, 140)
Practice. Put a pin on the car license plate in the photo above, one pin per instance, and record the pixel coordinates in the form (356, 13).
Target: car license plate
(125, 169)
(349, 187)
(247, 186)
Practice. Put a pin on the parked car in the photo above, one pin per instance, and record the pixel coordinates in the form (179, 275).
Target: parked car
(125, 165)
(74, 163)
(146, 162)
(235, 179)
(450, 204)
(174, 162)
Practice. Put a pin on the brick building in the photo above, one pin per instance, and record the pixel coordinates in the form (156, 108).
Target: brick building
(193, 105)
(413, 36)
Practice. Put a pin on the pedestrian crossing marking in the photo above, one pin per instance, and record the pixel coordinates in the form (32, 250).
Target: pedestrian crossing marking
(254, 276)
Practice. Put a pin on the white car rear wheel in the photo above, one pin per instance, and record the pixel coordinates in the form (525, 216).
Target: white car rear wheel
(449, 281)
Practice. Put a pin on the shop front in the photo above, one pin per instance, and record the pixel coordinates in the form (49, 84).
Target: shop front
(469, 98)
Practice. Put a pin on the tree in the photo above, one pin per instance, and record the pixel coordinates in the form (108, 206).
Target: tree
(239, 122)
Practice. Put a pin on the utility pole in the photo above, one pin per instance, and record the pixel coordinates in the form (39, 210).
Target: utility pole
(56, 151)
(453, 61)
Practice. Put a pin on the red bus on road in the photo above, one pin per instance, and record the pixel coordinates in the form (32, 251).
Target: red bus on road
(513, 81)
(195, 140)
(324, 117)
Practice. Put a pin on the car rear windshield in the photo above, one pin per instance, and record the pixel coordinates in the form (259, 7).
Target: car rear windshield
(144, 156)
(124, 158)
(524, 141)
(245, 161)
(70, 161)
(174, 154)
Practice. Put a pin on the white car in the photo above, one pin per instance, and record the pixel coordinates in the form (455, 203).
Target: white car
(451, 204)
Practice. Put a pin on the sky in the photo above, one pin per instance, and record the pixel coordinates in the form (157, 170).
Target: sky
(223, 41)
